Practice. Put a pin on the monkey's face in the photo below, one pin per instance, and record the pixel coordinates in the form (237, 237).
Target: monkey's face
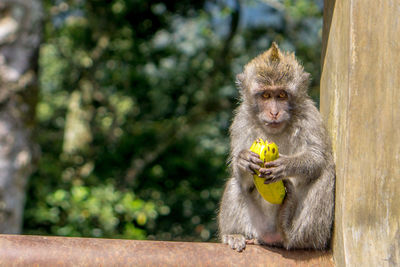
(273, 108)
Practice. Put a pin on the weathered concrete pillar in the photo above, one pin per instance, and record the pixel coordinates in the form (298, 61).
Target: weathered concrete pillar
(360, 100)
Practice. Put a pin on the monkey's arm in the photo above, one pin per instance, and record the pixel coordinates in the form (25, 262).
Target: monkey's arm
(243, 162)
(307, 163)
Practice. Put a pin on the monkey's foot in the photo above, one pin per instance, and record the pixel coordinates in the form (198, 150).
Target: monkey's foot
(272, 239)
(253, 241)
(236, 241)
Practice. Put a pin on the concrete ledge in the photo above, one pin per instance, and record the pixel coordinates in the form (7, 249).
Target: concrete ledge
(19, 250)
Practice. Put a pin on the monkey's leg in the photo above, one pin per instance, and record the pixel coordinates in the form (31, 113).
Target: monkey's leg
(306, 216)
(233, 218)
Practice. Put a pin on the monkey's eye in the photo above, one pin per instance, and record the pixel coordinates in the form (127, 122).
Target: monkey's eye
(266, 95)
(283, 95)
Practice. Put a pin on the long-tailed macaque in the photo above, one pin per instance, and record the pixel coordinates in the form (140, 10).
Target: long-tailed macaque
(275, 106)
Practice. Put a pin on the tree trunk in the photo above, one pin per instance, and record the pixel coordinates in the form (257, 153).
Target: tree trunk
(20, 35)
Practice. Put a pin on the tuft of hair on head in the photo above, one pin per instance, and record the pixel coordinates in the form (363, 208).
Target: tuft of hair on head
(274, 55)
(277, 68)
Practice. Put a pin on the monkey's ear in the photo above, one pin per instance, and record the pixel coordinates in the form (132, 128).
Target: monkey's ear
(274, 56)
(304, 82)
(240, 80)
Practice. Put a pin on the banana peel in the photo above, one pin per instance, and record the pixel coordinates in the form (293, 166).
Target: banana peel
(274, 192)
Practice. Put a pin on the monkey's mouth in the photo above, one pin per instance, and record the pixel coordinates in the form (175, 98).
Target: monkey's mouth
(274, 124)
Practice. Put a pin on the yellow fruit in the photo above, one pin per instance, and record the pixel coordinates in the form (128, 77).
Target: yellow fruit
(274, 192)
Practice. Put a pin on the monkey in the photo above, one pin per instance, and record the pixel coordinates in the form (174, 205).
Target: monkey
(275, 106)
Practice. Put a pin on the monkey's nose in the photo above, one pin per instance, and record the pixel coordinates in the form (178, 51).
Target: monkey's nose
(274, 114)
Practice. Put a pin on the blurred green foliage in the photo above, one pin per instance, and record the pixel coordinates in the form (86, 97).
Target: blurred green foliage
(136, 101)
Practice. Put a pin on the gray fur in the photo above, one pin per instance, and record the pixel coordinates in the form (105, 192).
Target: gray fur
(304, 219)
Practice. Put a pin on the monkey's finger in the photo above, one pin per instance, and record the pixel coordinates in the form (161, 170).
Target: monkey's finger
(254, 167)
(248, 166)
(274, 175)
(251, 156)
(271, 164)
(255, 159)
(270, 181)
(264, 173)
(254, 154)
(267, 182)
(246, 153)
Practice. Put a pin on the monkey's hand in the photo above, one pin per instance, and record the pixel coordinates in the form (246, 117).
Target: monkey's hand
(236, 241)
(249, 161)
(275, 170)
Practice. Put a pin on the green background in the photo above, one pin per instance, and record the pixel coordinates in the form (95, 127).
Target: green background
(136, 99)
